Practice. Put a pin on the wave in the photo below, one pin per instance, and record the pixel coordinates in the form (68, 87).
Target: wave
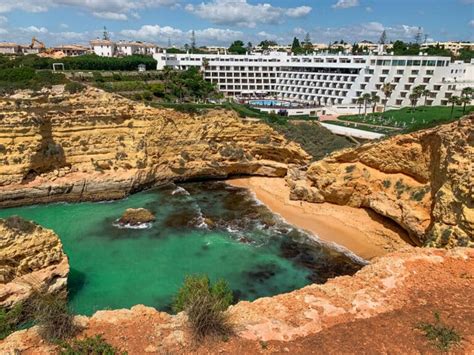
(129, 226)
(180, 191)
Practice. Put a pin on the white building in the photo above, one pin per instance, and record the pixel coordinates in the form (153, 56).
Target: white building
(107, 48)
(9, 48)
(326, 80)
(103, 48)
(454, 47)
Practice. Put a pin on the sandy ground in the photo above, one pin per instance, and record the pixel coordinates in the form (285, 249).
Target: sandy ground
(363, 232)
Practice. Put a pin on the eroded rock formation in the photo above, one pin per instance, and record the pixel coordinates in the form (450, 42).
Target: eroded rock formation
(136, 217)
(30, 257)
(383, 294)
(95, 146)
(423, 181)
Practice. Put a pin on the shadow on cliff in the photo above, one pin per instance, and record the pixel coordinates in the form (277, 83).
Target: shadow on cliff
(49, 156)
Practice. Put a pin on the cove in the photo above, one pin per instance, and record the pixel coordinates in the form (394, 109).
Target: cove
(200, 228)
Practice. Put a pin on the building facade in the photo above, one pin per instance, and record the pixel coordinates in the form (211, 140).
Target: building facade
(9, 48)
(328, 80)
(454, 47)
(107, 48)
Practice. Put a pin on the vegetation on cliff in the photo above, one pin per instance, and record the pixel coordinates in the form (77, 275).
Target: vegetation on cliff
(205, 304)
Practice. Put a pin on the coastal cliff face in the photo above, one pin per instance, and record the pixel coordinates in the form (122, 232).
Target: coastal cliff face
(395, 293)
(94, 146)
(423, 181)
(30, 257)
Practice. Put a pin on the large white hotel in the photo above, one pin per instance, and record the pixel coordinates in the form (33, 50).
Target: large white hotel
(328, 80)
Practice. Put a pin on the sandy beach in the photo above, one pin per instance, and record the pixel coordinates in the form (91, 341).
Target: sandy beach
(361, 231)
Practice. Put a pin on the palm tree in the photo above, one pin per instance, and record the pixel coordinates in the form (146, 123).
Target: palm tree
(414, 100)
(374, 98)
(464, 100)
(453, 100)
(360, 101)
(366, 97)
(425, 93)
(466, 97)
(387, 90)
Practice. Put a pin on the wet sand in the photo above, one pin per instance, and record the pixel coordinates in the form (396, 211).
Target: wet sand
(363, 232)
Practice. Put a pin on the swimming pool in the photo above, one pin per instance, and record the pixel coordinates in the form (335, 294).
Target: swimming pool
(272, 103)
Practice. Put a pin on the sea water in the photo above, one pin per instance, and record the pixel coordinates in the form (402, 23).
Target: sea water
(201, 228)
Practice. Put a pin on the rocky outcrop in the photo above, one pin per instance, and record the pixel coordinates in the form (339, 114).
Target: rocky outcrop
(418, 281)
(423, 181)
(96, 146)
(136, 217)
(30, 257)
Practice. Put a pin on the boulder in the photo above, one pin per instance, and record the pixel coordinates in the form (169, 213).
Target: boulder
(136, 217)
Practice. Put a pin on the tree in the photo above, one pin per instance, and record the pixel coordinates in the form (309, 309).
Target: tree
(413, 100)
(425, 93)
(454, 100)
(374, 98)
(383, 37)
(366, 97)
(237, 47)
(387, 90)
(267, 44)
(360, 101)
(296, 46)
(466, 97)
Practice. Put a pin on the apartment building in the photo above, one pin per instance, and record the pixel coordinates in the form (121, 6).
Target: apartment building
(71, 50)
(108, 48)
(327, 80)
(454, 47)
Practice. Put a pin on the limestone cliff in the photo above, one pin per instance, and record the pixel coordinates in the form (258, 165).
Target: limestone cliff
(423, 181)
(94, 145)
(30, 256)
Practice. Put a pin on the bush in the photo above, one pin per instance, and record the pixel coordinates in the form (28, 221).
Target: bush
(442, 336)
(50, 312)
(10, 320)
(205, 304)
(88, 346)
(74, 87)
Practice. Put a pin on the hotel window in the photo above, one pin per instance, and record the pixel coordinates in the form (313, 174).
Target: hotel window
(385, 72)
(429, 72)
(400, 71)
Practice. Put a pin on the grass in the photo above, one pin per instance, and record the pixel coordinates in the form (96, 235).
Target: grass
(205, 305)
(95, 345)
(439, 334)
(408, 119)
(10, 320)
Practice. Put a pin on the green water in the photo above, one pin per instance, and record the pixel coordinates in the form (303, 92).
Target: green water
(111, 267)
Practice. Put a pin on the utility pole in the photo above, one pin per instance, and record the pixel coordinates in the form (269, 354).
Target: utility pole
(383, 37)
(419, 36)
(193, 40)
(105, 35)
(169, 42)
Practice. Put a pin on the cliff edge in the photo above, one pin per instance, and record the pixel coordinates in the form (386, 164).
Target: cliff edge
(423, 181)
(96, 146)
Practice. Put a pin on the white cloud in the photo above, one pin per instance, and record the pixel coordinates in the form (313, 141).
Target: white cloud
(107, 9)
(345, 4)
(34, 29)
(368, 9)
(63, 25)
(241, 13)
(157, 33)
(111, 15)
(471, 23)
(3, 20)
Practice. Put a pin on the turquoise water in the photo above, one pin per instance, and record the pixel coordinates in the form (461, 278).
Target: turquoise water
(209, 228)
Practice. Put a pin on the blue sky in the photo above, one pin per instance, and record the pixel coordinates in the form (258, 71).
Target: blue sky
(221, 21)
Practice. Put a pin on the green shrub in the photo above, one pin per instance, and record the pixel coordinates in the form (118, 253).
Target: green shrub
(439, 334)
(74, 87)
(50, 312)
(147, 96)
(17, 74)
(205, 305)
(10, 320)
(95, 345)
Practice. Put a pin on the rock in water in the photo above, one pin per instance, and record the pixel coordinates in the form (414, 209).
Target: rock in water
(31, 257)
(136, 217)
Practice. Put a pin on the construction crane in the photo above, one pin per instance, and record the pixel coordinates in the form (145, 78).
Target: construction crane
(34, 40)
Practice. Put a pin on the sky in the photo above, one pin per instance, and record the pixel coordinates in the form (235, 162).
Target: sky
(219, 22)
